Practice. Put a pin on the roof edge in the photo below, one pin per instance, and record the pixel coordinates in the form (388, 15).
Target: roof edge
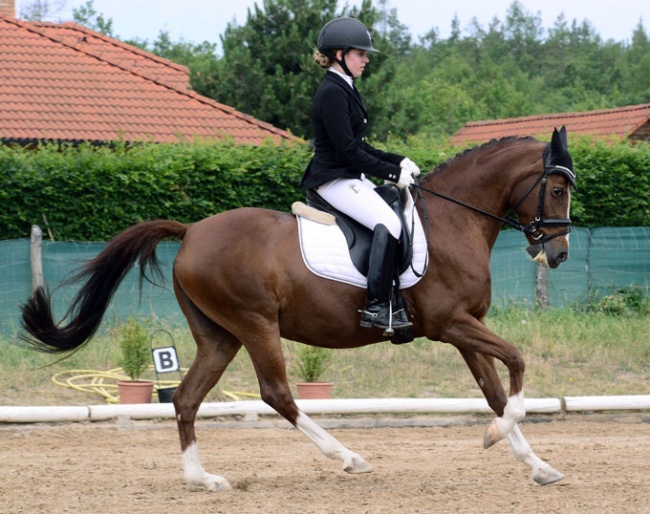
(552, 116)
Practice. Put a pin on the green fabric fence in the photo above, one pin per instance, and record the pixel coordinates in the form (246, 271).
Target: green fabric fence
(601, 261)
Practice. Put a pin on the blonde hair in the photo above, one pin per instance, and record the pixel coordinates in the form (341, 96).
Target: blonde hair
(323, 60)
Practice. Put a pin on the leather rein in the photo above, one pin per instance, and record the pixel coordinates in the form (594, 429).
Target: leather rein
(533, 229)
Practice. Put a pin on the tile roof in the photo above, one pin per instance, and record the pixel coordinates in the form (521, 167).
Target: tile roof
(632, 121)
(64, 82)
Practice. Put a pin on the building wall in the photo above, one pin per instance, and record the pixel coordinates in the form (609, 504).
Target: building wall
(8, 8)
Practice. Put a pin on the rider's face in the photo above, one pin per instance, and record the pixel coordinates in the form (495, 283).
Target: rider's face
(355, 60)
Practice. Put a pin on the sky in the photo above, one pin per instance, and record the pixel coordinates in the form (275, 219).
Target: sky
(205, 20)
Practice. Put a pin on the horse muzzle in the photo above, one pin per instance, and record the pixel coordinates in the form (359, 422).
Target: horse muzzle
(550, 254)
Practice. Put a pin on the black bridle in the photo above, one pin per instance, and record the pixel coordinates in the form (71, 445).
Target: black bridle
(534, 228)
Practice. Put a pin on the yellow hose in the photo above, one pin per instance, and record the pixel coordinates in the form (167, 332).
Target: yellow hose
(104, 383)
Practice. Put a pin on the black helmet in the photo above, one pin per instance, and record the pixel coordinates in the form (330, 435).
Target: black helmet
(344, 33)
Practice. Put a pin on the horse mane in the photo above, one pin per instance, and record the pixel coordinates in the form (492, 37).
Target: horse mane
(469, 152)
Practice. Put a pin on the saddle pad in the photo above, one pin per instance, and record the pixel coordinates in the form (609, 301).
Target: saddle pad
(325, 252)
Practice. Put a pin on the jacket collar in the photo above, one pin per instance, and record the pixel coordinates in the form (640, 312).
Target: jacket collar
(352, 91)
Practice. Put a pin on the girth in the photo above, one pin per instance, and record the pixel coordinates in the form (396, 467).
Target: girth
(359, 237)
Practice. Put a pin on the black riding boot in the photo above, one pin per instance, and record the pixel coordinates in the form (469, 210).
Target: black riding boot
(378, 311)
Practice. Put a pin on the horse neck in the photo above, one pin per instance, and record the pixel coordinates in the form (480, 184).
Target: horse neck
(484, 178)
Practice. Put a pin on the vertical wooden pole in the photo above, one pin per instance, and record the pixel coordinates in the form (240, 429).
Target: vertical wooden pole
(541, 285)
(36, 256)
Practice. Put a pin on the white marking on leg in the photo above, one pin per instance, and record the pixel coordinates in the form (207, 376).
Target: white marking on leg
(330, 446)
(514, 411)
(543, 473)
(196, 476)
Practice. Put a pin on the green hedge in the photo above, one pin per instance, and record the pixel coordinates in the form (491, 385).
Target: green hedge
(91, 193)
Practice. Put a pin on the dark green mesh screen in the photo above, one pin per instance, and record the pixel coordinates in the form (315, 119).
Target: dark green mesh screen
(601, 260)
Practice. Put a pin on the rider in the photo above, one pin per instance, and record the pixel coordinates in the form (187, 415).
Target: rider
(342, 158)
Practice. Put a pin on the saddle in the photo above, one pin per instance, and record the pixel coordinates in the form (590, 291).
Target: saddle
(359, 237)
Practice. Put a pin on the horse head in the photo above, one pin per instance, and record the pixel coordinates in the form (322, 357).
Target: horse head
(550, 223)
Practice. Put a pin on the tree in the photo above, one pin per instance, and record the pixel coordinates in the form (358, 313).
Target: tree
(41, 10)
(267, 69)
(87, 16)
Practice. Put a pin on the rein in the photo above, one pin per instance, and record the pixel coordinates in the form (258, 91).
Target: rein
(533, 229)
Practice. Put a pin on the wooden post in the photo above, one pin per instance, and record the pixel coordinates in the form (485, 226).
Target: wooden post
(541, 285)
(36, 256)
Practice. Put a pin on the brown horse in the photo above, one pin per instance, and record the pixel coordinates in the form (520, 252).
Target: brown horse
(240, 280)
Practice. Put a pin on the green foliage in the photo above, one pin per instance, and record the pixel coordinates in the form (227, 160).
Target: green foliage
(513, 67)
(88, 193)
(87, 15)
(627, 301)
(614, 183)
(136, 353)
(311, 362)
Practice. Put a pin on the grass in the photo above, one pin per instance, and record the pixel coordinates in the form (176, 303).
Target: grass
(567, 352)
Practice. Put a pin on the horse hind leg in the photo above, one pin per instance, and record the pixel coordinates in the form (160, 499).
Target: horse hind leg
(274, 388)
(216, 348)
(484, 372)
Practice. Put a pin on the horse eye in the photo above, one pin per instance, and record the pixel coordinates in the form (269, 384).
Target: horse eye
(558, 191)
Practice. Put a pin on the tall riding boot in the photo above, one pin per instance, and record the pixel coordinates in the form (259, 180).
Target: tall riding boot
(378, 311)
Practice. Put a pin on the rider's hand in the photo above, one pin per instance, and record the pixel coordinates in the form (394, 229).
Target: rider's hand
(410, 165)
(405, 179)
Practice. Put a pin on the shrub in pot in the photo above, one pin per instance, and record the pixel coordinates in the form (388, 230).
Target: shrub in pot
(136, 358)
(311, 363)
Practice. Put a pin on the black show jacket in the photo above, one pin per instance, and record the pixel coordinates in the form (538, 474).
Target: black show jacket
(340, 149)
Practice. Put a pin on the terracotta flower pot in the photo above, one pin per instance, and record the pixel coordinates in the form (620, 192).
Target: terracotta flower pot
(314, 390)
(138, 391)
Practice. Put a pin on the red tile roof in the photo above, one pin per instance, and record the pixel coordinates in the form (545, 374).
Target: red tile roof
(632, 121)
(67, 83)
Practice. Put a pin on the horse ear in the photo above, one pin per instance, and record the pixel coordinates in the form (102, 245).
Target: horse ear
(556, 149)
(563, 138)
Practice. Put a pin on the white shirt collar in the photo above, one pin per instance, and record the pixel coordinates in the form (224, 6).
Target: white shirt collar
(345, 77)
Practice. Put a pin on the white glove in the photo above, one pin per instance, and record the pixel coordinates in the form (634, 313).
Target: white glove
(405, 179)
(410, 165)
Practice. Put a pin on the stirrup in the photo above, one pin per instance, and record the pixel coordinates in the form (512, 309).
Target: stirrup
(389, 327)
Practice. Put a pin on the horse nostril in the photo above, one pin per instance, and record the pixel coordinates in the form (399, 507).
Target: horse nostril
(563, 256)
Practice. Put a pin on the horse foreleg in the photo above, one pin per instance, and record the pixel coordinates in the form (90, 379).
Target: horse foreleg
(502, 426)
(479, 347)
(543, 473)
(483, 370)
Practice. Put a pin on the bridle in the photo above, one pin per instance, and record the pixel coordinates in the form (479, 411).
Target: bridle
(532, 229)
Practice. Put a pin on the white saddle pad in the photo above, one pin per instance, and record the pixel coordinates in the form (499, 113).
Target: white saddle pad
(325, 251)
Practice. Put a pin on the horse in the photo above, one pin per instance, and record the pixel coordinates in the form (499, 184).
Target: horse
(240, 280)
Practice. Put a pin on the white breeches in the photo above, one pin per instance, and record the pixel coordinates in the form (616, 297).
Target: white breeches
(357, 199)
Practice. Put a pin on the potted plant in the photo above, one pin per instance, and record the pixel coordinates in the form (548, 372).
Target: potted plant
(136, 358)
(311, 363)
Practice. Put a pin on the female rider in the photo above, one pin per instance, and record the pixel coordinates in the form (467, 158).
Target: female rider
(342, 159)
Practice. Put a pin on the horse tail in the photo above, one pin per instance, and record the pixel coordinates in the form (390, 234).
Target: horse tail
(103, 275)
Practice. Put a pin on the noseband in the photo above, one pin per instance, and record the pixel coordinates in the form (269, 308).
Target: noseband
(532, 229)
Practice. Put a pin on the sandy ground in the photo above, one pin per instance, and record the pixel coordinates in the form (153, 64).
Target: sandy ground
(134, 467)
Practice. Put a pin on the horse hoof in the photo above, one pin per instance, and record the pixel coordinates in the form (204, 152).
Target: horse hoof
(357, 465)
(212, 483)
(545, 476)
(492, 435)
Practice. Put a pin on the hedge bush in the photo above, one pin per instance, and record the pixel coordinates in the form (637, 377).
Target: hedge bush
(89, 193)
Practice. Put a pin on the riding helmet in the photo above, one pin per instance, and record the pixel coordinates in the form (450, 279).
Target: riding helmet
(344, 33)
